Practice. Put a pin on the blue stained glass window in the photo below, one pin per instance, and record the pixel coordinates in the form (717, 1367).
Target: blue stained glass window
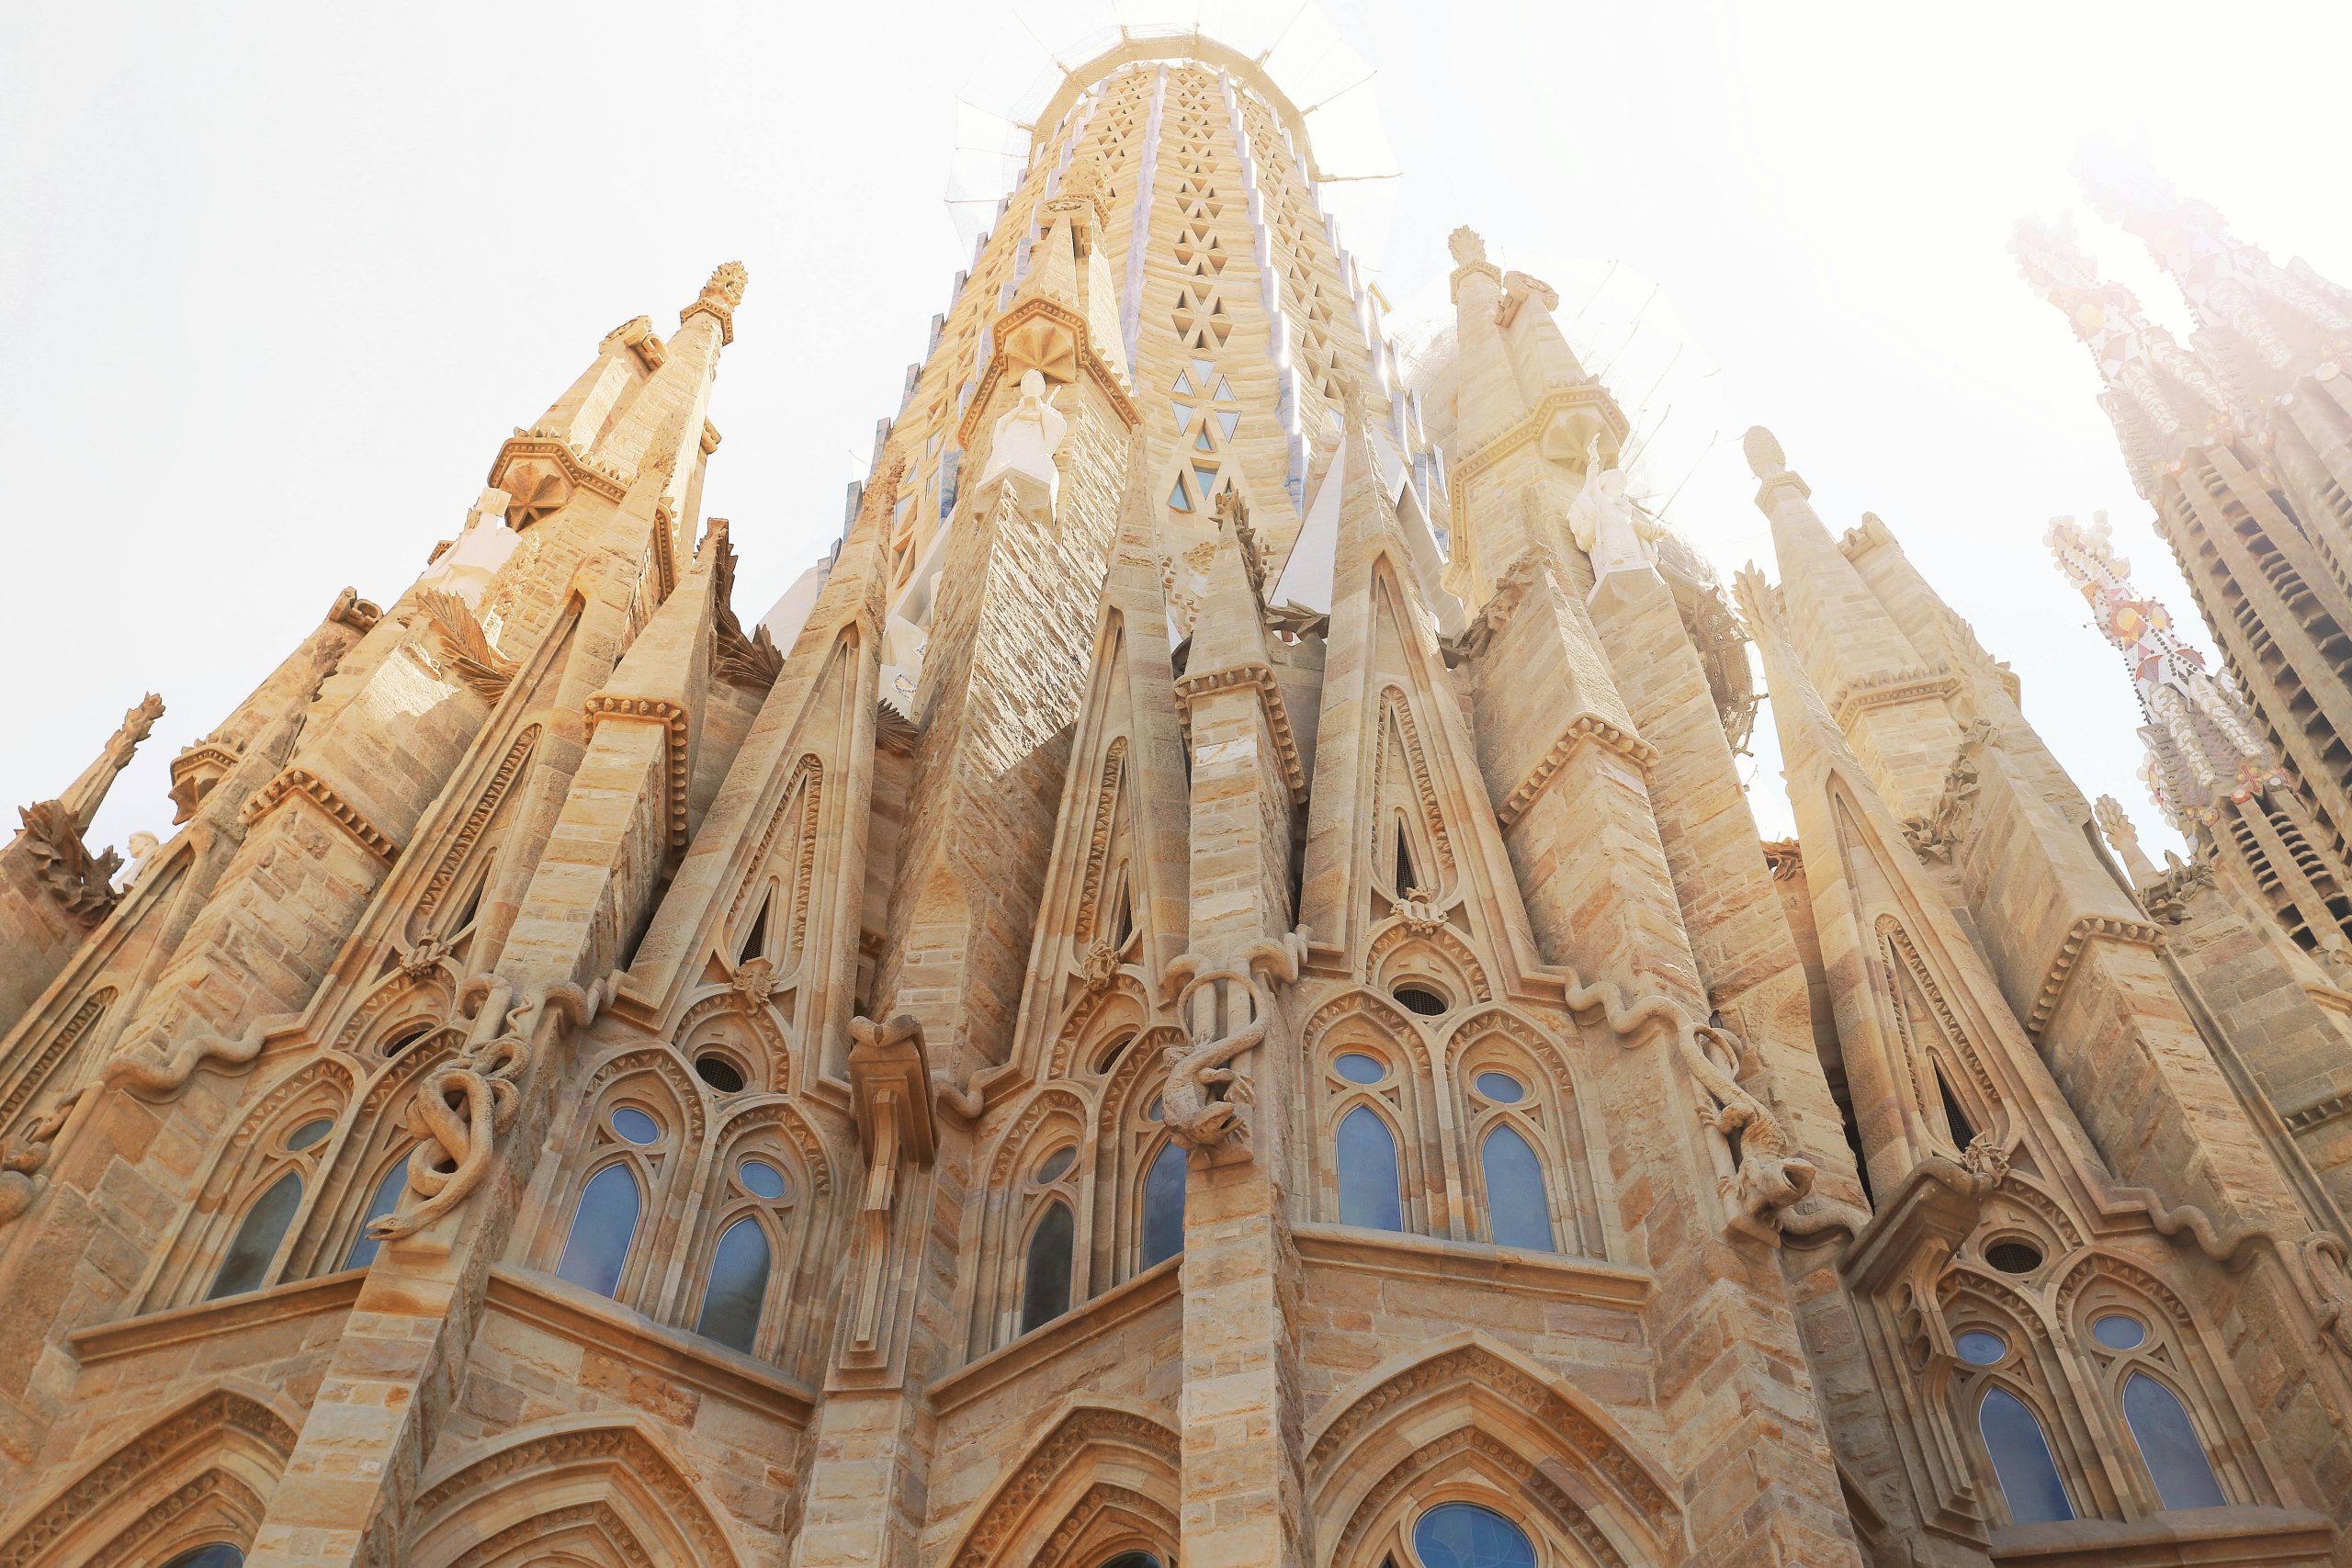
(386, 1199)
(602, 1228)
(2167, 1441)
(761, 1180)
(309, 1132)
(1177, 499)
(1500, 1088)
(1518, 1213)
(220, 1554)
(1057, 1164)
(1980, 1348)
(636, 1126)
(246, 1267)
(2021, 1461)
(1357, 1067)
(1163, 1205)
(1368, 1178)
(1044, 1278)
(2118, 1332)
(739, 1285)
(1464, 1535)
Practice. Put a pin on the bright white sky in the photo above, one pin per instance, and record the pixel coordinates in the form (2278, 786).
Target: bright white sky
(278, 284)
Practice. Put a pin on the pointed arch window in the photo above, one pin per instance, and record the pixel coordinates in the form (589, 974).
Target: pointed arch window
(1371, 1191)
(1044, 1275)
(1956, 1121)
(2031, 1484)
(218, 1555)
(2169, 1445)
(385, 1199)
(1518, 1212)
(253, 1248)
(602, 1228)
(738, 1287)
(1163, 1206)
(1464, 1535)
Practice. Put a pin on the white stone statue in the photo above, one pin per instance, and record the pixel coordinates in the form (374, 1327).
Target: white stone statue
(1607, 525)
(1027, 435)
(143, 847)
(468, 567)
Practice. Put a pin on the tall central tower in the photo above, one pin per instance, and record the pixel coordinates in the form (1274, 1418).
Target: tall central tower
(1211, 997)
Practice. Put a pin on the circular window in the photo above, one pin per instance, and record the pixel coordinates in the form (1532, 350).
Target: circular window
(1057, 1164)
(1419, 999)
(1357, 1067)
(2118, 1332)
(1981, 1347)
(2013, 1257)
(719, 1073)
(1500, 1088)
(636, 1126)
(400, 1042)
(760, 1178)
(1464, 1535)
(309, 1132)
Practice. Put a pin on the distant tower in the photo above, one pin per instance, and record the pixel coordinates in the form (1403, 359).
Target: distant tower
(2207, 768)
(2243, 443)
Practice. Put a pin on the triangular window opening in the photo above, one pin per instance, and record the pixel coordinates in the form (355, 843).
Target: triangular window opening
(1201, 441)
(1123, 913)
(1177, 499)
(755, 942)
(1184, 383)
(1964, 1133)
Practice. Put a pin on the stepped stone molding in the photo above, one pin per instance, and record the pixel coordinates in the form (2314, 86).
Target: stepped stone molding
(1261, 679)
(2079, 936)
(1586, 729)
(304, 785)
(674, 720)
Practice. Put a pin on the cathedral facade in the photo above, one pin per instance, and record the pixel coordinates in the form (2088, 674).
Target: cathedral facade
(1206, 990)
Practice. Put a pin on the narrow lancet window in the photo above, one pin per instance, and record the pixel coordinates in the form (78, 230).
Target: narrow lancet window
(387, 1198)
(739, 1287)
(254, 1246)
(2168, 1442)
(602, 1228)
(1369, 1186)
(1518, 1213)
(1163, 1205)
(2021, 1461)
(1045, 1278)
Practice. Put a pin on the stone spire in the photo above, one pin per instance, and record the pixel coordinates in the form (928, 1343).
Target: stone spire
(2161, 397)
(2203, 743)
(1885, 692)
(84, 797)
(2282, 319)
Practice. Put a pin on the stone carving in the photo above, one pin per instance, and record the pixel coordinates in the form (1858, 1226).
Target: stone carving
(81, 881)
(1192, 1106)
(890, 1087)
(1939, 833)
(460, 1108)
(142, 846)
(1027, 437)
(468, 567)
(23, 1154)
(1605, 520)
(2167, 895)
(151, 1071)
(466, 651)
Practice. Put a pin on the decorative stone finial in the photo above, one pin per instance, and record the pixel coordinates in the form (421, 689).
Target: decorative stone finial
(1765, 458)
(727, 283)
(718, 298)
(1081, 191)
(1468, 249)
